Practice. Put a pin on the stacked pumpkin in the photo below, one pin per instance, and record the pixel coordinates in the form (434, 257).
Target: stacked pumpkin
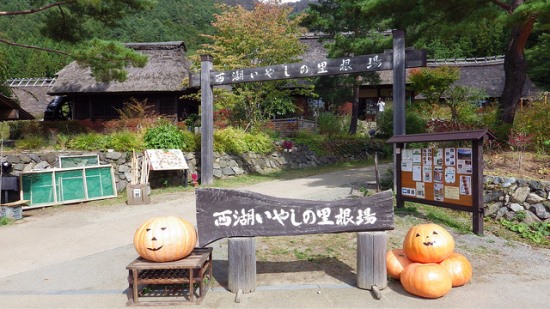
(165, 239)
(427, 266)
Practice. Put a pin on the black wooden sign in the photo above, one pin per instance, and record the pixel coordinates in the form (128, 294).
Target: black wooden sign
(229, 213)
(376, 62)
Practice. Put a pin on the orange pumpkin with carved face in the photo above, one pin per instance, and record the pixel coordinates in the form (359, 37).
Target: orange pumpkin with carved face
(164, 239)
(428, 243)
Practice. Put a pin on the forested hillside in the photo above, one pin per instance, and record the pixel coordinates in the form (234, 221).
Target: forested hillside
(170, 20)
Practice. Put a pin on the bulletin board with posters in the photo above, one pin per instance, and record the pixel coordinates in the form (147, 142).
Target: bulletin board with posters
(438, 174)
(447, 174)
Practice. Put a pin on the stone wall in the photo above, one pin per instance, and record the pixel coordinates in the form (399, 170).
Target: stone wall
(509, 198)
(225, 165)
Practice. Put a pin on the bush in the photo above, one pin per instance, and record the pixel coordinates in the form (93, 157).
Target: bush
(237, 141)
(414, 124)
(535, 121)
(165, 135)
(125, 141)
(31, 142)
(329, 124)
(88, 141)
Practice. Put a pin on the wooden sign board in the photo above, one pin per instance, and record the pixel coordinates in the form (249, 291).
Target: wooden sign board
(437, 174)
(228, 213)
(166, 159)
(337, 66)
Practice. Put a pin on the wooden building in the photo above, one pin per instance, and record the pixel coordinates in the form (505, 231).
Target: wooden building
(10, 110)
(159, 82)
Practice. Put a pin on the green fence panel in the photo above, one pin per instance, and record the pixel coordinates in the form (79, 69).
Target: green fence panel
(70, 185)
(38, 188)
(99, 182)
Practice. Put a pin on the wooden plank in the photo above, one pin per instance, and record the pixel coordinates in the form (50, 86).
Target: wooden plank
(207, 122)
(371, 260)
(307, 69)
(228, 213)
(242, 264)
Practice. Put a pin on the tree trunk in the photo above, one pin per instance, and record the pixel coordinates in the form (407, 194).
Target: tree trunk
(355, 105)
(515, 71)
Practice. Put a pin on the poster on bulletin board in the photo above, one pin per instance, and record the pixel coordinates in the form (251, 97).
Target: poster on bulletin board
(438, 174)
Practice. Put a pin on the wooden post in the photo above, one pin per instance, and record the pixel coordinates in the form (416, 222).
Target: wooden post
(207, 122)
(371, 260)
(399, 80)
(477, 186)
(242, 264)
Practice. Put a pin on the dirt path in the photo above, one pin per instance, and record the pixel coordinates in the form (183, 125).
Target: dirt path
(75, 256)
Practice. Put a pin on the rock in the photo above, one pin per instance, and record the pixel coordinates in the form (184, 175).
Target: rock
(508, 182)
(113, 155)
(492, 208)
(535, 185)
(540, 211)
(533, 198)
(531, 218)
(25, 158)
(42, 165)
(520, 194)
(492, 196)
(515, 207)
(217, 173)
(501, 212)
(238, 170)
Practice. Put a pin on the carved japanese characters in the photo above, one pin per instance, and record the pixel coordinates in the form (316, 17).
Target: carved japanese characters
(164, 239)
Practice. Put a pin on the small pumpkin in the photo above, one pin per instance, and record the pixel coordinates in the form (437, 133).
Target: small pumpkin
(459, 267)
(164, 239)
(396, 261)
(428, 243)
(429, 280)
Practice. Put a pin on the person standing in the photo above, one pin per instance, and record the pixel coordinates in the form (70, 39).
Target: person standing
(381, 105)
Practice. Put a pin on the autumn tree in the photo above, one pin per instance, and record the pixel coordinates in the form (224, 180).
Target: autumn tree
(71, 21)
(263, 36)
(520, 18)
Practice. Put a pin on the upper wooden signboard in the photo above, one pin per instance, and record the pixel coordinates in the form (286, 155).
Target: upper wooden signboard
(337, 66)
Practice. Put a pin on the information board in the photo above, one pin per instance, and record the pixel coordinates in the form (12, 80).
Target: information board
(437, 174)
(166, 159)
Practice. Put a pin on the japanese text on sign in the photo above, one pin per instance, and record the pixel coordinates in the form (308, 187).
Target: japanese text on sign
(324, 216)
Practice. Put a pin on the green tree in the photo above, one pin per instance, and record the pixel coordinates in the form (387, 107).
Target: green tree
(263, 36)
(348, 32)
(72, 21)
(432, 83)
(520, 17)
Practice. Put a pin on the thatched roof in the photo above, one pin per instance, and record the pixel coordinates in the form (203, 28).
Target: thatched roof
(165, 70)
(487, 75)
(10, 110)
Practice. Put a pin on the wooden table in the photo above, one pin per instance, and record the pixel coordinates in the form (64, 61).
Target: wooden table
(159, 281)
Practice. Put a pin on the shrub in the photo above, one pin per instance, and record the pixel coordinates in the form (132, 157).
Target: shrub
(329, 124)
(125, 141)
(165, 135)
(414, 124)
(88, 141)
(314, 142)
(31, 142)
(535, 121)
(237, 141)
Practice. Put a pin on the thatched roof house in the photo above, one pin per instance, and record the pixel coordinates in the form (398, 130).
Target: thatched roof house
(10, 110)
(160, 82)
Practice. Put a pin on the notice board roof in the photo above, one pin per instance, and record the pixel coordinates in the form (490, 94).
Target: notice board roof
(442, 136)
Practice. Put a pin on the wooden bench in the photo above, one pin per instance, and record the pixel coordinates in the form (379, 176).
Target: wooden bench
(159, 281)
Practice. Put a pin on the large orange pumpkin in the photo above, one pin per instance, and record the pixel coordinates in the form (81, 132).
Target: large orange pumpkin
(428, 243)
(429, 280)
(164, 239)
(396, 261)
(459, 267)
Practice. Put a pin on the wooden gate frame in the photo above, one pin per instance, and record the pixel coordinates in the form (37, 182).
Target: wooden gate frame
(397, 61)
